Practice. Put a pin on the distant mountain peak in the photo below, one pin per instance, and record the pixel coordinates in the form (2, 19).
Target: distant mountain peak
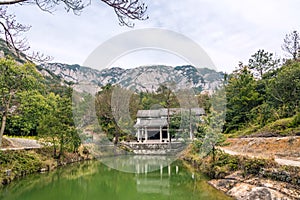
(144, 78)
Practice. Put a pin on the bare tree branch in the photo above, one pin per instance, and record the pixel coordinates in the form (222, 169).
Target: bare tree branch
(126, 11)
(292, 44)
(12, 30)
(10, 2)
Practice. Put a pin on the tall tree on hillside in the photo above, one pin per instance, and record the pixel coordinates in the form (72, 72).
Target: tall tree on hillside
(105, 112)
(291, 44)
(210, 131)
(10, 29)
(168, 100)
(284, 90)
(32, 106)
(261, 62)
(242, 97)
(57, 126)
(14, 78)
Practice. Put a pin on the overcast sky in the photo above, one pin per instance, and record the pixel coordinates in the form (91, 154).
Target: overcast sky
(228, 30)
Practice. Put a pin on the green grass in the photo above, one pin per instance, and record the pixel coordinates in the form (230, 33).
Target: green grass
(282, 127)
(23, 137)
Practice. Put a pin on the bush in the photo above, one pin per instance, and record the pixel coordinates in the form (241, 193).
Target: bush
(296, 121)
(254, 166)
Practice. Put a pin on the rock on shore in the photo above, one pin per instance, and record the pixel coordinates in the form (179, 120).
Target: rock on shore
(241, 188)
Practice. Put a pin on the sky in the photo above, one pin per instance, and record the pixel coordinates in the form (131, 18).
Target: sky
(229, 31)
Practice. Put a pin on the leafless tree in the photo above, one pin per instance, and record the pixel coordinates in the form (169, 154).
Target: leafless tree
(126, 11)
(292, 44)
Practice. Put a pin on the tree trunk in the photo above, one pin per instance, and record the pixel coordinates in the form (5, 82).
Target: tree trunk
(3, 123)
(4, 117)
(214, 154)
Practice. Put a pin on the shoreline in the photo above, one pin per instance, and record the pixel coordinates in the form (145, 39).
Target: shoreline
(246, 178)
(267, 181)
(43, 161)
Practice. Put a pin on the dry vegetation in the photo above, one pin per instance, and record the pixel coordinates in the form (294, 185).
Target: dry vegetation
(273, 147)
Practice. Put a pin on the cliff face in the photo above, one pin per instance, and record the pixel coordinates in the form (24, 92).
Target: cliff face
(145, 78)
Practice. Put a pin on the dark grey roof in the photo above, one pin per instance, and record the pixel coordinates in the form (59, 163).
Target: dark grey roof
(163, 112)
(148, 113)
(151, 123)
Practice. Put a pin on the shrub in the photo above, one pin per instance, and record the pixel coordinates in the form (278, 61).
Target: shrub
(296, 121)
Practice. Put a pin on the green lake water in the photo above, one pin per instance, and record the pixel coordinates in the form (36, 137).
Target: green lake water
(94, 180)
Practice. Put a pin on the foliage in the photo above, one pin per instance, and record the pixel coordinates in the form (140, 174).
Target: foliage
(262, 62)
(105, 115)
(242, 97)
(19, 162)
(57, 127)
(209, 132)
(291, 44)
(32, 107)
(283, 90)
(14, 79)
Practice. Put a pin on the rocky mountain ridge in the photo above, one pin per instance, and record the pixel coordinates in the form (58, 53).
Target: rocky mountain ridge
(144, 78)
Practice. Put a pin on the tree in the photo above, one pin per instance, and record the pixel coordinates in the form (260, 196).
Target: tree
(167, 99)
(210, 132)
(284, 89)
(126, 11)
(57, 126)
(32, 106)
(261, 62)
(242, 97)
(14, 79)
(291, 44)
(104, 112)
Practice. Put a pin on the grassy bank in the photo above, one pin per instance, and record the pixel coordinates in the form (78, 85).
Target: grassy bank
(225, 164)
(281, 127)
(15, 164)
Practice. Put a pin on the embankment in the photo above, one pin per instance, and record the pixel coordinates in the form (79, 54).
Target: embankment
(244, 177)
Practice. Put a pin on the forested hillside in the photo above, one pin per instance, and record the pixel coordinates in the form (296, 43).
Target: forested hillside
(263, 97)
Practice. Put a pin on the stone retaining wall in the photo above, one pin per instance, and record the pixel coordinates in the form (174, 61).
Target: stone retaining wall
(156, 148)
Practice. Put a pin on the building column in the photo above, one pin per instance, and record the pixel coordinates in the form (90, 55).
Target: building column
(169, 139)
(160, 134)
(146, 134)
(138, 135)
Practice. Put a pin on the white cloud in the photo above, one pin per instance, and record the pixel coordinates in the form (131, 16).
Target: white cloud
(229, 30)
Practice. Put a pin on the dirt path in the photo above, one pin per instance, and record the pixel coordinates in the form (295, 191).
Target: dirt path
(21, 143)
(285, 150)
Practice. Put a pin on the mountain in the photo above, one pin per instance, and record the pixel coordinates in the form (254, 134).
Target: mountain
(144, 78)
(6, 51)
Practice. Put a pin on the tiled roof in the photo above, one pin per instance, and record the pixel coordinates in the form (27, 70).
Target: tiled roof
(148, 113)
(151, 123)
(163, 112)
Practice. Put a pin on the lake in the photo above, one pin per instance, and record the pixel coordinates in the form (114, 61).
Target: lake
(93, 180)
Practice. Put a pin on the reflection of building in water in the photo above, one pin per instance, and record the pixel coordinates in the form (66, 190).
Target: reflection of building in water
(138, 163)
(156, 182)
(152, 125)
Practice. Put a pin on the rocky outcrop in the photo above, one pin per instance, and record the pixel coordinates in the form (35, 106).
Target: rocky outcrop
(248, 188)
(145, 78)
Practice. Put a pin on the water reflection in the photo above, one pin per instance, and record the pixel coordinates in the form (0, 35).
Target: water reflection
(93, 180)
(158, 183)
(137, 163)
